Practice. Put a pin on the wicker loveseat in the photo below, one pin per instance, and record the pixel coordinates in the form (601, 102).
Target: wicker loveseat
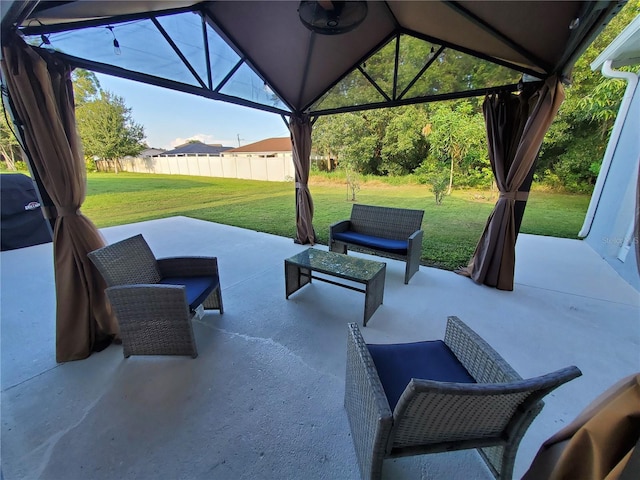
(155, 300)
(429, 397)
(391, 232)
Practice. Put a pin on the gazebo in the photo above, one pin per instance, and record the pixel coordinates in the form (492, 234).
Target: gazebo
(300, 60)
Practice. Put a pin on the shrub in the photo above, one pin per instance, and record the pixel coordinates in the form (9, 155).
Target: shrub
(439, 182)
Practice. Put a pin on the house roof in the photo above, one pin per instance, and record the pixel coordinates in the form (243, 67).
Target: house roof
(269, 145)
(259, 53)
(150, 152)
(195, 148)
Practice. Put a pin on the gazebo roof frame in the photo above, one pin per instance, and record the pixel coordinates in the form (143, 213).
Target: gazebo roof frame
(575, 23)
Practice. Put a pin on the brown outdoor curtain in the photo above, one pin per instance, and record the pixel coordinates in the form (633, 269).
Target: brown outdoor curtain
(41, 92)
(300, 128)
(600, 444)
(516, 125)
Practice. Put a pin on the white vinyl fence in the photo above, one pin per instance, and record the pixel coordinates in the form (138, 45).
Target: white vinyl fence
(274, 169)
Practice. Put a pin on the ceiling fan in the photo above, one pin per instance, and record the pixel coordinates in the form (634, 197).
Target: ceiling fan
(332, 17)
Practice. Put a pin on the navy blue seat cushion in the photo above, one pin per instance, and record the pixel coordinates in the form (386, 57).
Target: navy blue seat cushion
(392, 246)
(397, 364)
(198, 288)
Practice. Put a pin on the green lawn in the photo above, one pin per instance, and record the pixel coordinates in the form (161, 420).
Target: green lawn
(451, 229)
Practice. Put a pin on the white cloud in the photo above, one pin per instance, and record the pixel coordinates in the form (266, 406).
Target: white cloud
(201, 137)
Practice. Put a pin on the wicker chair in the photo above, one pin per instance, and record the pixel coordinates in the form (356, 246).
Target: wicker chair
(155, 300)
(429, 397)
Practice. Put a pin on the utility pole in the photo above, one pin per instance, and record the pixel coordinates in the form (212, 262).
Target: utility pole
(238, 135)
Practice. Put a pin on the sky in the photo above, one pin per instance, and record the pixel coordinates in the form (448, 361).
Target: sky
(171, 118)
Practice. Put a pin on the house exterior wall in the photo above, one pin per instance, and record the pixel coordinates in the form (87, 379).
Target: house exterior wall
(614, 217)
(274, 169)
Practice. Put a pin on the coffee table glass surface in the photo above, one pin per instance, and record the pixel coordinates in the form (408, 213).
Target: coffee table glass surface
(337, 264)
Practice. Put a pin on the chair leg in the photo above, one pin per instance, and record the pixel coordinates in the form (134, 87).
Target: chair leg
(413, 260)
(214, 301)
(219, 297)
(338, 247)
(500, 461)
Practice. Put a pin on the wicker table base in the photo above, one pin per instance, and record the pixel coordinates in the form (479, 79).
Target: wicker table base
(298, 272)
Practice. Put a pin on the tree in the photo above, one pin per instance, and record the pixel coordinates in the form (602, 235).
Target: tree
(574, 145)
(350, 138)
(378, 142)
(353, 183)
(389, 141)
(86, 86)
(457, 138)
(107, 129)
(404, 146)
(437, 179)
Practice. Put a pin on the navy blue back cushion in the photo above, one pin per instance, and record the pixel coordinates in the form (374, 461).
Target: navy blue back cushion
(198, 288)
(397, 364)
(385, 244)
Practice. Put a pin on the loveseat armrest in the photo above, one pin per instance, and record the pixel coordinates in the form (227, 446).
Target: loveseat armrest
(338, 227)
(188, 266)
(414, 254)
(367, 407)
(142, 296)
(416, 237)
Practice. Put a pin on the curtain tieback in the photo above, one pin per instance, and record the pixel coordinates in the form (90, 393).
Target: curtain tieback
(67, 211)
(518, 196)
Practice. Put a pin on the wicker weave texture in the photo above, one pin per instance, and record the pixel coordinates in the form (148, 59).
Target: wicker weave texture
(385, 222)
(154, 319)
(431, 416)
(460, 417)
(127, 262)
(483, 363)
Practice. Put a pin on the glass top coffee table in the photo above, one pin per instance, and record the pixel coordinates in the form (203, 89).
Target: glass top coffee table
(298, 272)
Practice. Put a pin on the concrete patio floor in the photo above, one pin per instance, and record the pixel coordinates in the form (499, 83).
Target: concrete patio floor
(263, 400)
